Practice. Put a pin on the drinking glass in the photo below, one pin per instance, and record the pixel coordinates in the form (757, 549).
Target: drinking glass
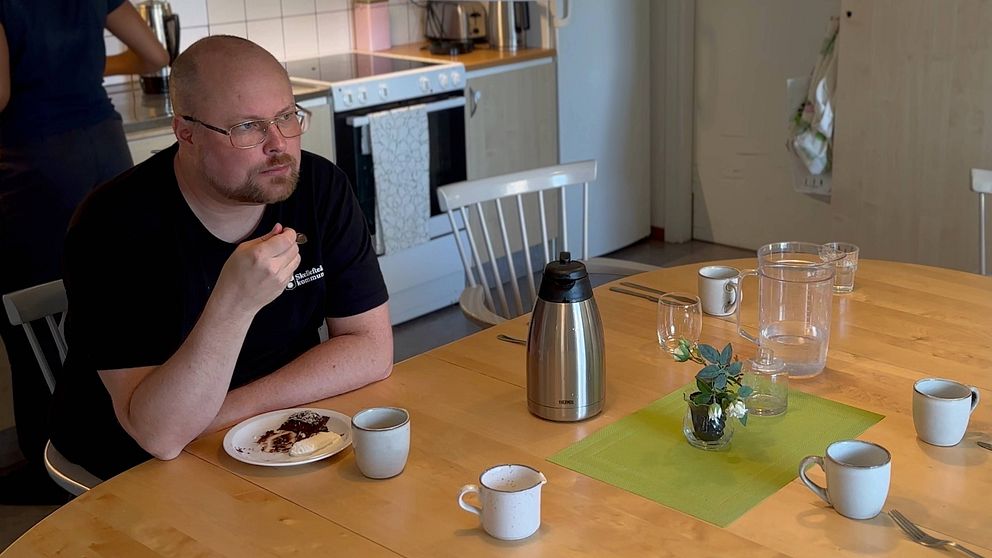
(846, 265)
(766, 375)
(680, 316)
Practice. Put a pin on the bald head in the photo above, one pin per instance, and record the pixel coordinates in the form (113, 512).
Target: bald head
(215, 64)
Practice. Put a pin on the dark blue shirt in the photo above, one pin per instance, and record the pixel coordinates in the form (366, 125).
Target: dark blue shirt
(57, 57)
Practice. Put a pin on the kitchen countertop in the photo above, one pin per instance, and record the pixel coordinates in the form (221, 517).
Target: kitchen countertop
(141, 111)
(481, 57)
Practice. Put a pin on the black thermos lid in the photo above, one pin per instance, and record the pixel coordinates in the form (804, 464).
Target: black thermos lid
(565, 280)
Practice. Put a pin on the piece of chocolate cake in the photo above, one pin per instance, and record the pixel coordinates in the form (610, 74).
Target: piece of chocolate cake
(305, 423)
(299, 426)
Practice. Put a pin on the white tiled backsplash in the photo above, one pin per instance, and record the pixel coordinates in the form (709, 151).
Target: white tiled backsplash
(289, 29)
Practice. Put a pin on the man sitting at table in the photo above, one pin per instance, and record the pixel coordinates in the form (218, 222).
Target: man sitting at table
(193, 301)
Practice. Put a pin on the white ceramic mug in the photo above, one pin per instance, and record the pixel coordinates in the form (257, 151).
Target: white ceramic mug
(941, 409)
(857, 477)
(381, 436)
(716, 289)
(511, 501)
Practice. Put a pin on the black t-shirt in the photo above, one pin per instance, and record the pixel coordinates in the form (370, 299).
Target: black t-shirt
(139, 267)
(57, 55)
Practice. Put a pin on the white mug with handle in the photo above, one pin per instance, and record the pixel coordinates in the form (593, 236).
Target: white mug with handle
(857, 477)
(941, 410)
(717, 289)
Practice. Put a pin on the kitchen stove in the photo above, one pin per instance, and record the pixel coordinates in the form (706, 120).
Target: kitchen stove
(427, 276)
(365, 80)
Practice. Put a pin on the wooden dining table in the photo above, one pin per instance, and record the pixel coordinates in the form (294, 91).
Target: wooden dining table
(468, 407)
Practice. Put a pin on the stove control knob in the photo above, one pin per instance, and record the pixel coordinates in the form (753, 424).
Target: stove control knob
(456, 79)
(425, 84)
(347, 97)
(383, 91)
(443, 81)
(363, 95)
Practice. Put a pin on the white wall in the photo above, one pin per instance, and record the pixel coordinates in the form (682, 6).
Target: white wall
(744, 52)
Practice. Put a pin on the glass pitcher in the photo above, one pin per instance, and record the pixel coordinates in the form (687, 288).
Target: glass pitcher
(795, 290)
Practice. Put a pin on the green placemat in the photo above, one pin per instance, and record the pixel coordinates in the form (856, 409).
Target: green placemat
(647, 454)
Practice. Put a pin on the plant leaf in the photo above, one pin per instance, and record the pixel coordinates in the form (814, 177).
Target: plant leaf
(709, 353)
(728, 351)
(720, 382)
(703, 386)
(701, 398)
(735, 368)
(743, 420)
(744, 392)
(709, 372)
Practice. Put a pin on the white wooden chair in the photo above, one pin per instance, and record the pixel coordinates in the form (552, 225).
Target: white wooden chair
(33, 304)
(981, 183)
(481, 257)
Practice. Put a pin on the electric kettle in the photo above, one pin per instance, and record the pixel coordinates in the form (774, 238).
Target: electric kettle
(508, 22)
(566, 357)
(165, 26)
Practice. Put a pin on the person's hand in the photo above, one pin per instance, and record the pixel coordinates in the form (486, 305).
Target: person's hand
(259, 269)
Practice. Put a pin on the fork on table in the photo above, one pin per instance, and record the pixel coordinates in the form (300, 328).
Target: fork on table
(919, 536)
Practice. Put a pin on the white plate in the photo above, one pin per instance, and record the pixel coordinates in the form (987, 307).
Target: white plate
(240, 441)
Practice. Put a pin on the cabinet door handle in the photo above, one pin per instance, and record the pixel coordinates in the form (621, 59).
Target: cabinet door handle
(476, 96)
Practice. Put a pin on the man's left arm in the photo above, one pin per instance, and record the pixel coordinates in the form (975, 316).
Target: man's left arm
(359, 352)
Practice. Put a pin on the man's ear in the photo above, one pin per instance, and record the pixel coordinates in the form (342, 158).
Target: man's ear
(182, 129)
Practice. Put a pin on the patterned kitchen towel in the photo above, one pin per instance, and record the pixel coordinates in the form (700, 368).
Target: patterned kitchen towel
(647, 454)
(401, 168)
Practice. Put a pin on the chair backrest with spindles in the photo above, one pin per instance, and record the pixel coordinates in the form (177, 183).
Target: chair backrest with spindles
(42, 302)
(981, 183)
(480, 203)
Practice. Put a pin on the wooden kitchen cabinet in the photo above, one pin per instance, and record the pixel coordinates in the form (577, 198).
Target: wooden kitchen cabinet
(514, 124)
(146, 143)
(319, 137)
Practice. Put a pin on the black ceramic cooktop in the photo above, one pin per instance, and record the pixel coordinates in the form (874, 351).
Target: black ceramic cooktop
(337, 68)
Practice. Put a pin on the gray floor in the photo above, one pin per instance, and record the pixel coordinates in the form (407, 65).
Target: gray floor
(415, 337)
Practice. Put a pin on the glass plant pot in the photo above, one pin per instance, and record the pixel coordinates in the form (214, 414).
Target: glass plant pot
(704, 433)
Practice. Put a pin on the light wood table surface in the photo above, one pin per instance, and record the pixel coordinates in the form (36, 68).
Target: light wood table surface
(468, 406)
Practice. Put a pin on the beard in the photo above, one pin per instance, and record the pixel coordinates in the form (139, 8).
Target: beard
(278, 188)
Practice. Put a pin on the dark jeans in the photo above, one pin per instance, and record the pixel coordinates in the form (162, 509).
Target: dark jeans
(40, 186)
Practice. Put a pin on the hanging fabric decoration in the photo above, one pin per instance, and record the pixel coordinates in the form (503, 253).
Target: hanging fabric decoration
(812, 126)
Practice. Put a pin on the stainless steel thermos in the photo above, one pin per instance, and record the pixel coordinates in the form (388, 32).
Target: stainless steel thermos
(566, 363)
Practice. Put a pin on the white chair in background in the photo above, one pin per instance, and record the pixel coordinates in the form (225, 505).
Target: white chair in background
(480, 254)
(981, 183)
(46, 302)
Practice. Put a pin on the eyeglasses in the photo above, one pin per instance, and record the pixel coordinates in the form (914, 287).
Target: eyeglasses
(249, 134)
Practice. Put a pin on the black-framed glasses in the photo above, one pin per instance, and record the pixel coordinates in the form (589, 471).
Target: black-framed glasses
(253, 132)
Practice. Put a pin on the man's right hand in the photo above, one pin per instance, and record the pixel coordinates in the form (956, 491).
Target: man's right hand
(259, 269)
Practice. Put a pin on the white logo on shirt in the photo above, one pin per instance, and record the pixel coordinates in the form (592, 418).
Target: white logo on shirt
(304, 277)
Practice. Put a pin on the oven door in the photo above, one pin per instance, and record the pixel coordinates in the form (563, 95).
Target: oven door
(446, 128)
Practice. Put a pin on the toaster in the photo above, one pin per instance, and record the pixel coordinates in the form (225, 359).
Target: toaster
(455, 21)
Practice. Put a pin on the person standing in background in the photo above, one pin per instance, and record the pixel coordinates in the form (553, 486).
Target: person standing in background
(59, 138)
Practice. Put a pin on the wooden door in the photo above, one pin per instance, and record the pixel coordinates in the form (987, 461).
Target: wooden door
(914, 115)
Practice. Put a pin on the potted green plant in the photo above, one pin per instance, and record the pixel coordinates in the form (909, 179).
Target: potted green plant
(719, 395)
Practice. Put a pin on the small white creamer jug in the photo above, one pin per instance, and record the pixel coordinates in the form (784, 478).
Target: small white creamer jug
(510, 498)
